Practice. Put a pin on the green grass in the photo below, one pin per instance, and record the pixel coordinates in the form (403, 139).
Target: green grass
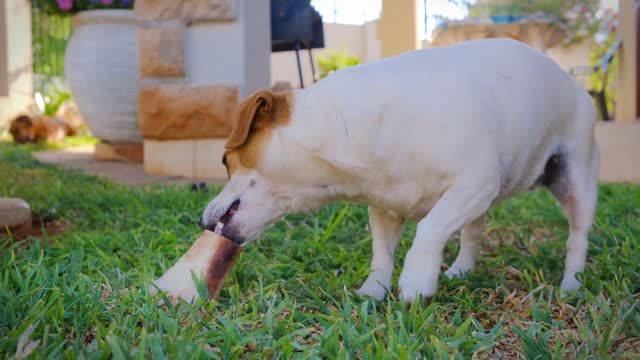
(291, 292)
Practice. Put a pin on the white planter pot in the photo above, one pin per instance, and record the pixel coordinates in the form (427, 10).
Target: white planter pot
(101, 68)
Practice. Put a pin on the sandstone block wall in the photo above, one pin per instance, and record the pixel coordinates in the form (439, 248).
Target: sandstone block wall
(170, 106)
(198, 59)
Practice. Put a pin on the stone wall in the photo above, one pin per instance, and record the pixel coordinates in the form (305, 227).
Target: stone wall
(172, 111)
(170, 107)
(198, 59)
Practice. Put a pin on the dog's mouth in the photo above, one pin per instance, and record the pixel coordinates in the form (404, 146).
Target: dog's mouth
(225, 219)
(233, 208)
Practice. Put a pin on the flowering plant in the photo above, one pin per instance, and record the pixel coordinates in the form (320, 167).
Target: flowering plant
(582, 17)
(70, 7)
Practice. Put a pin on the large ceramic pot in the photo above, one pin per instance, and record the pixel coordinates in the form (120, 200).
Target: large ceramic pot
(101, 68)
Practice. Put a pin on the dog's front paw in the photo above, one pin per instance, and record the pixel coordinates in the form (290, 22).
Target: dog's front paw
(412, 287)
(419, 277)
(373, 288)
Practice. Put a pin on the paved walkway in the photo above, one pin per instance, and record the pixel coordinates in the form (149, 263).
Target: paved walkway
(619, 143)
(81, 158)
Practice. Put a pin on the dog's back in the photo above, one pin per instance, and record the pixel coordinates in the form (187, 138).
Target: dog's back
(497, 102)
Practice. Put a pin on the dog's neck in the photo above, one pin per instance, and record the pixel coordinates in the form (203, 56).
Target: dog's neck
(303, 153)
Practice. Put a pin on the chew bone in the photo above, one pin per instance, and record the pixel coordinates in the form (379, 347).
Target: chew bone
(210, 258)
(218, 229)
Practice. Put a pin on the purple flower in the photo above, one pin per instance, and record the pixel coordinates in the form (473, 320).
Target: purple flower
(107, 2)
(65, 5)
(127, 2)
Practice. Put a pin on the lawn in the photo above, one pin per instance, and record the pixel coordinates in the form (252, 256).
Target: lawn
(291, 295)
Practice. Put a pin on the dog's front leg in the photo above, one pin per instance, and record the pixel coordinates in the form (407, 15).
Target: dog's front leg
(458, 206)
(386, 231)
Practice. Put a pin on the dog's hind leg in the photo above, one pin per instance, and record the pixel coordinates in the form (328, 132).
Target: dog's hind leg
(469, 238)
(576, 188)
(572, 176)
(386, 231)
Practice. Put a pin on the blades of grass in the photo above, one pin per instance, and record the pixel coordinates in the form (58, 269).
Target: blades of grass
(116, 350)
(334, 223)
(533, 349)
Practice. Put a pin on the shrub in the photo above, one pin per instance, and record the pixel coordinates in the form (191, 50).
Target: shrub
(335, 60)
(70, 7)
(50, 93)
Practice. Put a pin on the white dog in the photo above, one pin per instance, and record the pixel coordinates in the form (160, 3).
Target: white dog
(438, 135)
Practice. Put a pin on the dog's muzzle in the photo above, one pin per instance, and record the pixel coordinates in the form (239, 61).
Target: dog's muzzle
(223, 225)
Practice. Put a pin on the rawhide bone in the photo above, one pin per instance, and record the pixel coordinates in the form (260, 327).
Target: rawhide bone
(210, 258)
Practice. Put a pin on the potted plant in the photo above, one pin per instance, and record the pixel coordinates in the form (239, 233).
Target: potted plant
(101, 65)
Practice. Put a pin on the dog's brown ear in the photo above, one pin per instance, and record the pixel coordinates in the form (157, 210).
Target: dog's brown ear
(255, 112)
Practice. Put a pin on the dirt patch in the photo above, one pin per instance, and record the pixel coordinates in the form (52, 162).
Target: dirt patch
(42, 227)
(51, 227)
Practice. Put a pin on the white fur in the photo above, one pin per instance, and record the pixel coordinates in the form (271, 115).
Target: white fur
(438, 136)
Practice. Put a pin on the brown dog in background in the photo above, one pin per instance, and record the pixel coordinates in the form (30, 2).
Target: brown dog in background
(27, 129)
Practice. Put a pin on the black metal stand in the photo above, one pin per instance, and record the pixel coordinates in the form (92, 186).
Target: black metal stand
(297, 48)
(313, 67)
